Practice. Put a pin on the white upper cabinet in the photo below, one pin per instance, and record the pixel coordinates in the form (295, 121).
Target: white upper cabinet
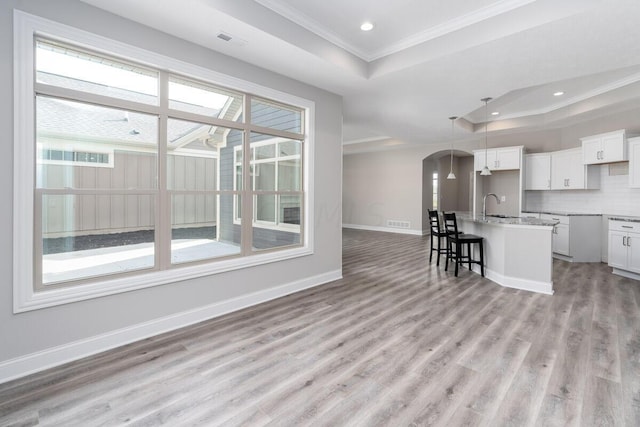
(569, 173)
(537, 168)
(506, 158)
(604, 148)
(634, 162)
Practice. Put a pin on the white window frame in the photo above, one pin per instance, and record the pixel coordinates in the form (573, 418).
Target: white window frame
(271, 225)
(25, 298)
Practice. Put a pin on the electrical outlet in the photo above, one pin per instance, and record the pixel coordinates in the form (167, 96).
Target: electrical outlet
(503, 198)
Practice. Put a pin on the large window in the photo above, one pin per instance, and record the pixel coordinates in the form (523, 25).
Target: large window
(139, 172)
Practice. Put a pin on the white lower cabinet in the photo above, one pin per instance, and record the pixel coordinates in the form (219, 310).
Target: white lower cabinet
(576, 238)
(624, 245)
(560, 237)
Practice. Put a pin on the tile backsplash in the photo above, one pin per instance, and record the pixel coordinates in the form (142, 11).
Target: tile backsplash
(613, 198)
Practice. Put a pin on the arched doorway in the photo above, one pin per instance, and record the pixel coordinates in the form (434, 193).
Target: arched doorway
(444, 194)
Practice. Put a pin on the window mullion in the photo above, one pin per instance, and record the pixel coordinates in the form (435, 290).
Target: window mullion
(275, 186)
(246, 218)
(163, 202)
(277, 132)
(92, 98)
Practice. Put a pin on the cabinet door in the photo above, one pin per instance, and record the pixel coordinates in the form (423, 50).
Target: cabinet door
(591, 150)
(561, 239)
(613, 148)
(537, 172)
(507, 159)
(479, 159)
(559, 166)
(634, 163)
(617, 249)
(575, 171)
(633, 252)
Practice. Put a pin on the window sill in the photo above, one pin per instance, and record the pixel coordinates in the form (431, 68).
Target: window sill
(58, 296)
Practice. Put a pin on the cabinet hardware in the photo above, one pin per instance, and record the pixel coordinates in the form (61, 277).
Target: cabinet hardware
(629, 241)
(627, 226)
(624, 240)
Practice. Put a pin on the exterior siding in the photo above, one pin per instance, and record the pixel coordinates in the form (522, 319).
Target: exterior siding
(96, 214)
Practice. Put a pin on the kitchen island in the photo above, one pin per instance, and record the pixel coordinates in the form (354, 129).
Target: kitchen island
(517, 250)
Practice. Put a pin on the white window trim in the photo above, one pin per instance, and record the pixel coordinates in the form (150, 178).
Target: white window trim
(26, 26)
(269, 225)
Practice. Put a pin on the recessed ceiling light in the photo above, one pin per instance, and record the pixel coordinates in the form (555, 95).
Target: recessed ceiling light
(366, 26)
(495, 113)
(559, 93)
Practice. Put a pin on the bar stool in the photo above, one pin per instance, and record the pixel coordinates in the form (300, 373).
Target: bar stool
(460, 240)
(438, 233)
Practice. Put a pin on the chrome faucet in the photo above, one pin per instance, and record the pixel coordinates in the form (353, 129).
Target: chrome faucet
(484, 203)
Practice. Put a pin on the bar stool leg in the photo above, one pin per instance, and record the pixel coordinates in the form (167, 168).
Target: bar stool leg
(481, 258)
(458, 252)
(431, 252)
(446, 259)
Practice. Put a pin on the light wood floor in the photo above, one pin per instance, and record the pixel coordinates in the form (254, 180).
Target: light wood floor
(396, 342)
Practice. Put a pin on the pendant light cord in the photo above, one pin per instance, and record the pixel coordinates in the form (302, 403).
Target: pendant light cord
(453, 119)
(486, 124)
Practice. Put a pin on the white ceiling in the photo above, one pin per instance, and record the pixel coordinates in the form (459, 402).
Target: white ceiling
(426, 60)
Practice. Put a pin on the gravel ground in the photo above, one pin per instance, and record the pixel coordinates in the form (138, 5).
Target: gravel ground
(79, 243)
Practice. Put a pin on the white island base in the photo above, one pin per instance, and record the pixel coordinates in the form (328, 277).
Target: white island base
(517, 254)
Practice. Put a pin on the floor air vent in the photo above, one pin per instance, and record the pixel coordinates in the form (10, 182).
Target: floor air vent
(398, 224)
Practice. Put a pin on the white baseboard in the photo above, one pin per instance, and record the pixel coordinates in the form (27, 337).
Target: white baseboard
(627, 274)
(517, 283)
(45, 359)
(411, 231)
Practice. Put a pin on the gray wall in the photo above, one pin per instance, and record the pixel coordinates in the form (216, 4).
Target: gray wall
(454, 193)
(378, 188)
(25, 333)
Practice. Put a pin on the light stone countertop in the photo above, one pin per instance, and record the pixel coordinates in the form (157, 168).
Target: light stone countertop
(624, 218)
(563, 213)
(501, 220)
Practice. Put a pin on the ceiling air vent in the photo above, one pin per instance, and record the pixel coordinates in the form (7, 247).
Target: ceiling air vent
(231, 39)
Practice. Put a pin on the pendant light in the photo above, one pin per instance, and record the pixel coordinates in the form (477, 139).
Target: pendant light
(485, 170)
(451, 174)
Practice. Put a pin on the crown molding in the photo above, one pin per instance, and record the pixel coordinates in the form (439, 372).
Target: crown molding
(495, 9)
